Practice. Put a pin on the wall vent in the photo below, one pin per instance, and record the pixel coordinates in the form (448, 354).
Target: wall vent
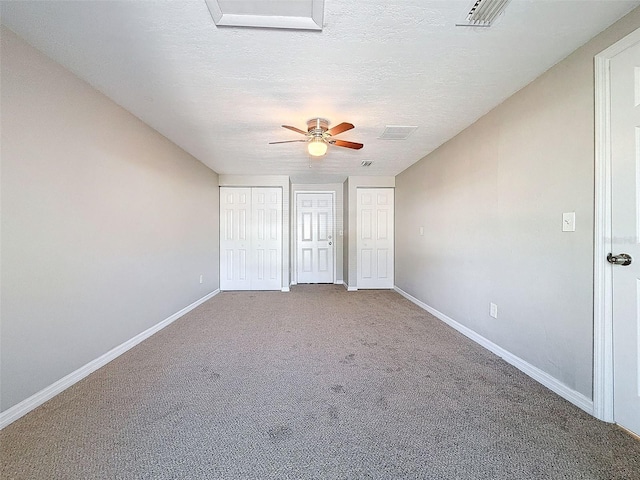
(397, 132)
(483, 13)
(366, 163)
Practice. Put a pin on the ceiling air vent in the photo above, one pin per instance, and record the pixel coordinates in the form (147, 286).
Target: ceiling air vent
(397, 132)
(483, 13)
(366, 163)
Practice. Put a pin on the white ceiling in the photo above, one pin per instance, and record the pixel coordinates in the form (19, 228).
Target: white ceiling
(221, 93)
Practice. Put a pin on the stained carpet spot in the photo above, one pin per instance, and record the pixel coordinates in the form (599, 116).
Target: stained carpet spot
(337, 389)
(279, 433)
(383, 403)
(208, 373)
(348, 358)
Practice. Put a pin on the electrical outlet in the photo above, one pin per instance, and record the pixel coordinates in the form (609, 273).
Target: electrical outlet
(200, 278)
(421, 230)
(493, 310)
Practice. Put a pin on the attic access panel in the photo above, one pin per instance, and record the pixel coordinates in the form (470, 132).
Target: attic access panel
(298, 14)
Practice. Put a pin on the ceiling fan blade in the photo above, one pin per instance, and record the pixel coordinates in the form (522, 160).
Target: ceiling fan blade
(287, 141)
(344, 143)
(295, 129)
(343, 127)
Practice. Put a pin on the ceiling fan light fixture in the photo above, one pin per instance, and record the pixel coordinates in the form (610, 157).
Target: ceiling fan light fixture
(319, 136)
(317, 147)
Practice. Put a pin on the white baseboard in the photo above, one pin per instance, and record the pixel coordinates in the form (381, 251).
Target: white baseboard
(552, 383)
(338, 282)
(285, 289)
(350, 289)
(14, 413)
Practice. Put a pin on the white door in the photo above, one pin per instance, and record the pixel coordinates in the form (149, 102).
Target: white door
(235, 242)
(315, 232)
(375, 237)
(250, 238)
(266, 238)
(625, 218)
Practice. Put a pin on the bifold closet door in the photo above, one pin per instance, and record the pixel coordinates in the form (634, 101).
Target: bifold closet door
(266, 239)
(235, 241)
(250, 238)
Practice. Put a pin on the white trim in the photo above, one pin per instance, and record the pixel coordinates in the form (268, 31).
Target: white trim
(348, 288)
(14, 413)
(338, 282)
(602, 271)
(552, 383)
(285, 289)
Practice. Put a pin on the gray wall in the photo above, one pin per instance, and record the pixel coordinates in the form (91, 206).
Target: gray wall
(106, 225)
(491, 202)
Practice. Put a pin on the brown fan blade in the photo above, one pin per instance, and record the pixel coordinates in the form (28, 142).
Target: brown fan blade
(287, 141)
(344, 143)
(295, 129)
(343, 127)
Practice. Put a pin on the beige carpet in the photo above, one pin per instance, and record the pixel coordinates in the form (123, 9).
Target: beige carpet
(318, 383)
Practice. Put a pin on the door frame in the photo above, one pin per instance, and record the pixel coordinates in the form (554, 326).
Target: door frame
(294, 233)
(602, 270)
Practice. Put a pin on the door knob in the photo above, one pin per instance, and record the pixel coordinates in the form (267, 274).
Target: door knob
(330, 243)
(623, 259)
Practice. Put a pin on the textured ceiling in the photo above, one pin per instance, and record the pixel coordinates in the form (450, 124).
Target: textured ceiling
(221, 93)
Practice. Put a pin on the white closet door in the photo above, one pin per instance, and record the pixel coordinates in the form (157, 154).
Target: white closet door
(250, 238)
(235, 241)
(375, 238)
(266, 236)
(315, 247)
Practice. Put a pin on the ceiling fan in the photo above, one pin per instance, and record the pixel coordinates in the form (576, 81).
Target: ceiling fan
(319, 136)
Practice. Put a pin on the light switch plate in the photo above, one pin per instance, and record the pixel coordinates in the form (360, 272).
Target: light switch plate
(569, 222)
